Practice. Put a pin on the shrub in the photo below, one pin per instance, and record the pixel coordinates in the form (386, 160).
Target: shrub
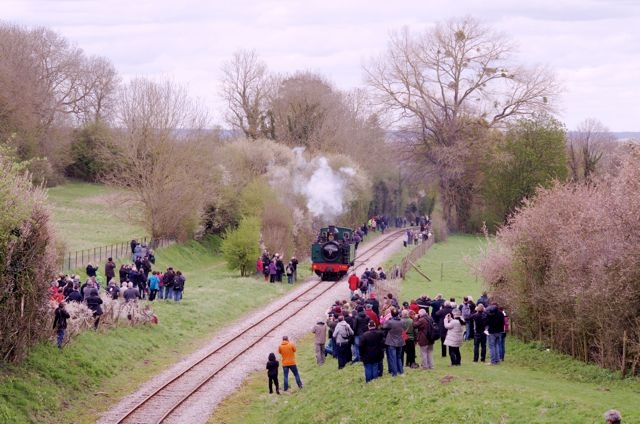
(567, 266)
(27, 250)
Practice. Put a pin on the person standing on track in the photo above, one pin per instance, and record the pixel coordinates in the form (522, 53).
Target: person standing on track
(287, 351)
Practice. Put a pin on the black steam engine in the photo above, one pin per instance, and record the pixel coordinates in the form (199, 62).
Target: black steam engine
(333, 253)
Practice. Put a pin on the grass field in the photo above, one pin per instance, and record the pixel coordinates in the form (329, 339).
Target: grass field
(91, 215)
(531, 386)
(97, 368)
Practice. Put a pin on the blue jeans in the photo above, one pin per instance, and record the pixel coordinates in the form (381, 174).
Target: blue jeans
(177, 295)
(394, 360)
(168, 293)
(468, 335)
(493, 340)
(60, 337)
(479, 346)
(294, 370)
(370, 372)
(356, 348)
(290, 279)
(503, 338)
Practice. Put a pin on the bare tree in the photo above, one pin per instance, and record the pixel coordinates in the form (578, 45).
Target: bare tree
(246, 87)
(446, 83)
(163, 158)
(585, 148)
(48, 85)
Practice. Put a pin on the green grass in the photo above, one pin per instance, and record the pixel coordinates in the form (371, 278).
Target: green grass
(91, 215)
(531, 386)
(96, 369)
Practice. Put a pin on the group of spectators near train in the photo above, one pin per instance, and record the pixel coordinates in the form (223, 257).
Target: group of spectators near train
(366, 330)
(272, 268)
(137, 280)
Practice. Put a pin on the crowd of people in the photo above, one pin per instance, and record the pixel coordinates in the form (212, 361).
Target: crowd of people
(272, 268)
(366, 329)
(137, 281)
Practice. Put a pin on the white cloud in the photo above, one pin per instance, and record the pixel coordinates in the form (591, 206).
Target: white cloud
(593, 45)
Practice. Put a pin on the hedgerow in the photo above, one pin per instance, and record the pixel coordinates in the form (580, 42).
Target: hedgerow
(27, 262)
(567, 268)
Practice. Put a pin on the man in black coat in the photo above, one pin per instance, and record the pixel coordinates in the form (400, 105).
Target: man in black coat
(372, 352)
(60, 322)
(110, 270)
(361, 325)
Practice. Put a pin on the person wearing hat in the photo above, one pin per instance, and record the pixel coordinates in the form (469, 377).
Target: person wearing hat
(372, 352)
(455, 326)
(320, 331)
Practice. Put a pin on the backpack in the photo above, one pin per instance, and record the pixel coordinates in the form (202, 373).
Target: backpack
(364, 286)
(433, 331)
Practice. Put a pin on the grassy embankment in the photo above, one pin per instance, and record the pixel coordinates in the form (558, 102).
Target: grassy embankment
(98, 368)
(531, 386)
(92, 215)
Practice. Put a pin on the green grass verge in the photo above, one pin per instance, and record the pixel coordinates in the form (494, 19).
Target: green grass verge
(98, 368)
(531, 386)
(91, 215)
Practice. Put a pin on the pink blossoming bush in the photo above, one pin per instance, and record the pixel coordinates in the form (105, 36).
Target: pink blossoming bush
(567, 268)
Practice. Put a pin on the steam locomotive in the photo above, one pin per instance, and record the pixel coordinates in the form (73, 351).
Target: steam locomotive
(333, 253)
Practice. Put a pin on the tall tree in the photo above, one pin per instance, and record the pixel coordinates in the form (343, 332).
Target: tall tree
(532, 155)
(585, 148)
(162, 157)
(246, 88)
(46, 86)
(306, 109)
(442, 85)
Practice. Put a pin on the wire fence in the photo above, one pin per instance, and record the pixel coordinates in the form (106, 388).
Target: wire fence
(97, 255)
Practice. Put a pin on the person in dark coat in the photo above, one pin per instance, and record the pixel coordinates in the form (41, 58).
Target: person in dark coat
(372, 352)
(60, 322)
(93, 302)
(394, 342)
(178, 286)
(360, 327)
(272, 373)
(75, 295)
(495, 327)
(479, 323)
(110, 270)
(91, 270)
(168, 279)
(123, 272)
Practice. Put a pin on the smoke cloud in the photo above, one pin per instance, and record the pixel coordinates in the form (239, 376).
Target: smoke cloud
(325, 189)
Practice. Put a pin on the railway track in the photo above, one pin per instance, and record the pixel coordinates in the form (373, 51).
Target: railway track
(183, 392)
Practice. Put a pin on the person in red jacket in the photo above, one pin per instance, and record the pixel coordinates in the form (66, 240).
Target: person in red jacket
(354, 283)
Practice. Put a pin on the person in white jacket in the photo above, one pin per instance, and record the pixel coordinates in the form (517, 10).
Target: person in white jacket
(455, 326)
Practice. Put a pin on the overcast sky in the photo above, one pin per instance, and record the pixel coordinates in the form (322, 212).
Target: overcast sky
(592, 45)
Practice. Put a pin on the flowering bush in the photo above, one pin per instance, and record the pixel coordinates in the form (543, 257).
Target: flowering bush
(567, 267)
